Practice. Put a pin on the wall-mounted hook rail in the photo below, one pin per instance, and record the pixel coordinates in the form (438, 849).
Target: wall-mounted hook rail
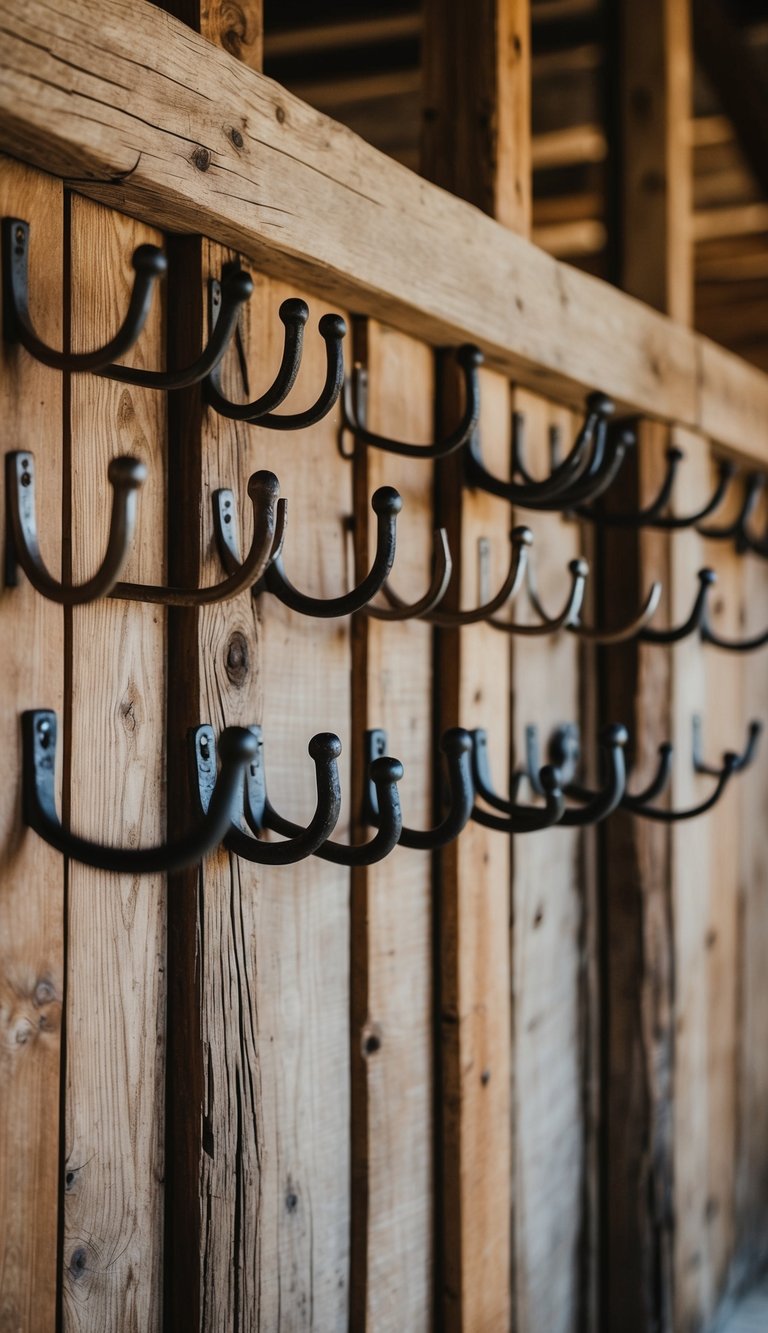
(442, 568)
(385, 774)
(237, 748)
(22, 548)
(652, 515)
(513, 817)
(294, 315)
(456, 745)
(125, 476)
(324, 749)
(386, 504)
(353, 401)
(149, 264)
(234, 290)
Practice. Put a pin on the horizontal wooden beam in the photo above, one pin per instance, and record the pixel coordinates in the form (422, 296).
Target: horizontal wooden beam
(133, 109)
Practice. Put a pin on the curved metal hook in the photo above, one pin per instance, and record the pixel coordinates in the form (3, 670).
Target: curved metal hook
(652, 515)
(555, 491)
(456, 745)
(579, 572)
(754, 732)
(324, 750)
(469, 358)
(385, 775)
(736, 529)
(294, 315)
(149, 264)
(575, 624)
(520, 542)
(608, 458)
(231, 293)
(517, 818)
(708, 635)
(707, 579)
(564, 753)
(237, 747)
(269, 518)
(386, 504)
(126, 476)
(658, 782)
(442, 568)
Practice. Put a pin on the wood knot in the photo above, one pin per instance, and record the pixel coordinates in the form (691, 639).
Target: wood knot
(236, 137)
(371, 1039)
(237, 659)
(78, 1263)
(201, 159)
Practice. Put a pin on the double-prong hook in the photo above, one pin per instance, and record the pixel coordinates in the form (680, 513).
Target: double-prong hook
(564, 755)
(125, 476)
(385, 773)
(511, 817)
(260, 412)
(353, 403)
(386, 504)
(237, 748)
(653, 515)
(520, 543)
(324, 750)
(574, 621)
(698, 621)
(149, 264)
(456, 745)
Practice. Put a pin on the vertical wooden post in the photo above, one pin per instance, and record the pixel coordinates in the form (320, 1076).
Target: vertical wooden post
(651, 72)
(31, 873)
(477, 144)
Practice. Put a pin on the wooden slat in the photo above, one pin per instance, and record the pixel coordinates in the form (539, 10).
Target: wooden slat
(31, 873)
(550, 326)
(392, 1048)
(115, 793)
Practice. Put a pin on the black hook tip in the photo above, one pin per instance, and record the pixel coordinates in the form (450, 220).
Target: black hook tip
(127, 472)
(238, 285)
(707, 578)
(522, 536)
(614, 734)
(456, 741)
(263, 483)
(580, 568)
(469, 356)
(601, 404)
(294, 311)
(332, 327)
(549, 779)
(150, 259)
(325, 745)
(386, 500)
(385, 769)
(238, 745)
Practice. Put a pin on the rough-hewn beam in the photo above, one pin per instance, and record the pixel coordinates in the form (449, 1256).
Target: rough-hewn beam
(136, 110)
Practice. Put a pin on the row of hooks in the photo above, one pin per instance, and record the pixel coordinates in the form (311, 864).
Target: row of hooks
(574, 484)
(234, 807)
(263, 569)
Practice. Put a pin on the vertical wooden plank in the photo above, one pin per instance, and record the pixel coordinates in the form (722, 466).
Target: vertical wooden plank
(652, 104)
(112, 1250)
(31, 873)
(477, 144)
(548, 918)
(392, 1085)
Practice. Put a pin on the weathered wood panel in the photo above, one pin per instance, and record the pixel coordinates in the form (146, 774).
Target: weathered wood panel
(392, 1001)
(114, 793)
(550, 326)
(31, 873)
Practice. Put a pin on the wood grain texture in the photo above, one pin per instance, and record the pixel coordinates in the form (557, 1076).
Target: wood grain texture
(285, 200)
(31, 873)
(549, 1162)
(115, 793)
(392, 1045)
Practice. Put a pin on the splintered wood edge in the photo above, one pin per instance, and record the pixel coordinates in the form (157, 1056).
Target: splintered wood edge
(156, 121)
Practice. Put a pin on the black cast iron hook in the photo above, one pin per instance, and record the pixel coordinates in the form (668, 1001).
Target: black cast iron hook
(736, 529)
(611, 449)
(231, 294)
(564, 753)
(324, 750)
(516, 818)
(386, 504)
(353, 407)
(237, 748)
(709, 635)
(22, 548)
(149, 264)
(579, 571)
(564, 472)
(385, 775)
(731, 763)
(747, 756)
(576, 625)
(652, 515)
(269, 519)
(695, 621)
(456, 745)
(294, 315)
(520, 542)
(442, 568)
